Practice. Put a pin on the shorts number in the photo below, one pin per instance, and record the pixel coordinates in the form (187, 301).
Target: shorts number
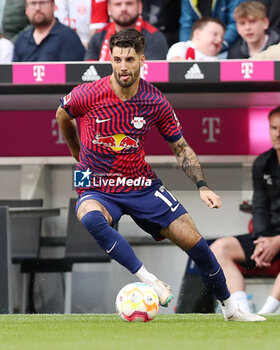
(160, 195)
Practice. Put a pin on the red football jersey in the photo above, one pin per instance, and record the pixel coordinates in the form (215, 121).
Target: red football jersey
(113, 132)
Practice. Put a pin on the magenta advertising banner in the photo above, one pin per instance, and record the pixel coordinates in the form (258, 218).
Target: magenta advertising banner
(247, 71)
(155, 72)
(208, 131)
(30, 133)
(219, 132)
(39, 73)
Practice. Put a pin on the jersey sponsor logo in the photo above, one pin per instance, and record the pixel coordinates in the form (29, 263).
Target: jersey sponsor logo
(138, 122)
(66, 99)
(116, 142)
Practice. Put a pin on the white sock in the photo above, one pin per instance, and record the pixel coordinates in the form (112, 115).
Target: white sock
(145, 276)
(242, 301)
(270, 306)
(228, 306)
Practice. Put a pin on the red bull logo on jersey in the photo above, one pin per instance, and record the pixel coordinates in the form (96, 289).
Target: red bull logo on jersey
(117, 142)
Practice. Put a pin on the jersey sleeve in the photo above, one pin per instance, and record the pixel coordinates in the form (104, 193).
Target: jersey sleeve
(74, 103)
(168, 124)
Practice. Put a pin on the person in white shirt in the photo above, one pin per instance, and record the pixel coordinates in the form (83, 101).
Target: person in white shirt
(6, 50)
(206, 42)
(84, 16)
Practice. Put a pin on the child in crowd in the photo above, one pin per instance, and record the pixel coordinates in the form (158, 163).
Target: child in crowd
(206, 42)
(253, 26)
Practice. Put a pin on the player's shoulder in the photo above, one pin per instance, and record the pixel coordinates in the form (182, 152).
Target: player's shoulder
(151, 89)
(91, 87)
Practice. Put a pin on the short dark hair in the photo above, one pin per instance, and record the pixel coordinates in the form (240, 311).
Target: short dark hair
(128, 38)
(202, 22)
(274, 111)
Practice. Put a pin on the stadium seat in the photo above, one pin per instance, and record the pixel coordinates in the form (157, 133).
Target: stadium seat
(80, 247)
(25, 231)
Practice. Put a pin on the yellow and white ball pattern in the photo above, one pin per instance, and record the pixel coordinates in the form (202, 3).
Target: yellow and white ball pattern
(137, 302)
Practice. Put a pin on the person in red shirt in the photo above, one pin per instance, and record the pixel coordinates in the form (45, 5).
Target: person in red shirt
(126, 14)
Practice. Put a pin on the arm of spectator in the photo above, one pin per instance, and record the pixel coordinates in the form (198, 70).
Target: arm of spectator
(156, 46)
(231, 35)
(261, 202)
(93, 50)
(271, 53)
(177, 52)
(72, 48)
(16, 53)
(187, 19)
(99, 15)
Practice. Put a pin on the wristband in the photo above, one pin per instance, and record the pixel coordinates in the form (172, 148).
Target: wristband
(201, 183)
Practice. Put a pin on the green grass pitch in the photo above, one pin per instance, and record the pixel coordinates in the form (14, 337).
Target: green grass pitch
(102, 332)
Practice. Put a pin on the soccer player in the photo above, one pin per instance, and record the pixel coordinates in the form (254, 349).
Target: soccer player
(115, 114)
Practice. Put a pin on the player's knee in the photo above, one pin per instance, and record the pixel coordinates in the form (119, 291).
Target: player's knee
(95, 223)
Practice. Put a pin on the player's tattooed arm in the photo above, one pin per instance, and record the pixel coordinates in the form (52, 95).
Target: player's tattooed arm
(69, 131)
(187, 160)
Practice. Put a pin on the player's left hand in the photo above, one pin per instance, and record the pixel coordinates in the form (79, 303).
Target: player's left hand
(210, 198)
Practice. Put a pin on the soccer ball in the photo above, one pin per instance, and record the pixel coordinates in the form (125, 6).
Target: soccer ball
(137, 302)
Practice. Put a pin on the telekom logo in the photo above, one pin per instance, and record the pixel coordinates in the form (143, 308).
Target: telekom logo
(144, 71)
(211, 127)
(247, 68)
(56, 132)
(39, 72)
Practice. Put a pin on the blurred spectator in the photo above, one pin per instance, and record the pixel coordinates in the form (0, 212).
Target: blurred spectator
(2, 3)
(253, 27)
(126, 14)
(82, 16)
(164, 15)
(191, 10)
(6, 50)
(271, 53)
(48, 39)
(273, 12)
(206, 42)
(99, 15)
(14, 19)
(75, 14)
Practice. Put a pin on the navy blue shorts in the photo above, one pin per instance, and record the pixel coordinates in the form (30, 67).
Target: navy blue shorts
(152, 209)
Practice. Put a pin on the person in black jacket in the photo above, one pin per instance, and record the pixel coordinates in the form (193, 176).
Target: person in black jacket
(261, 247)
(273, 12)
(253, 26)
